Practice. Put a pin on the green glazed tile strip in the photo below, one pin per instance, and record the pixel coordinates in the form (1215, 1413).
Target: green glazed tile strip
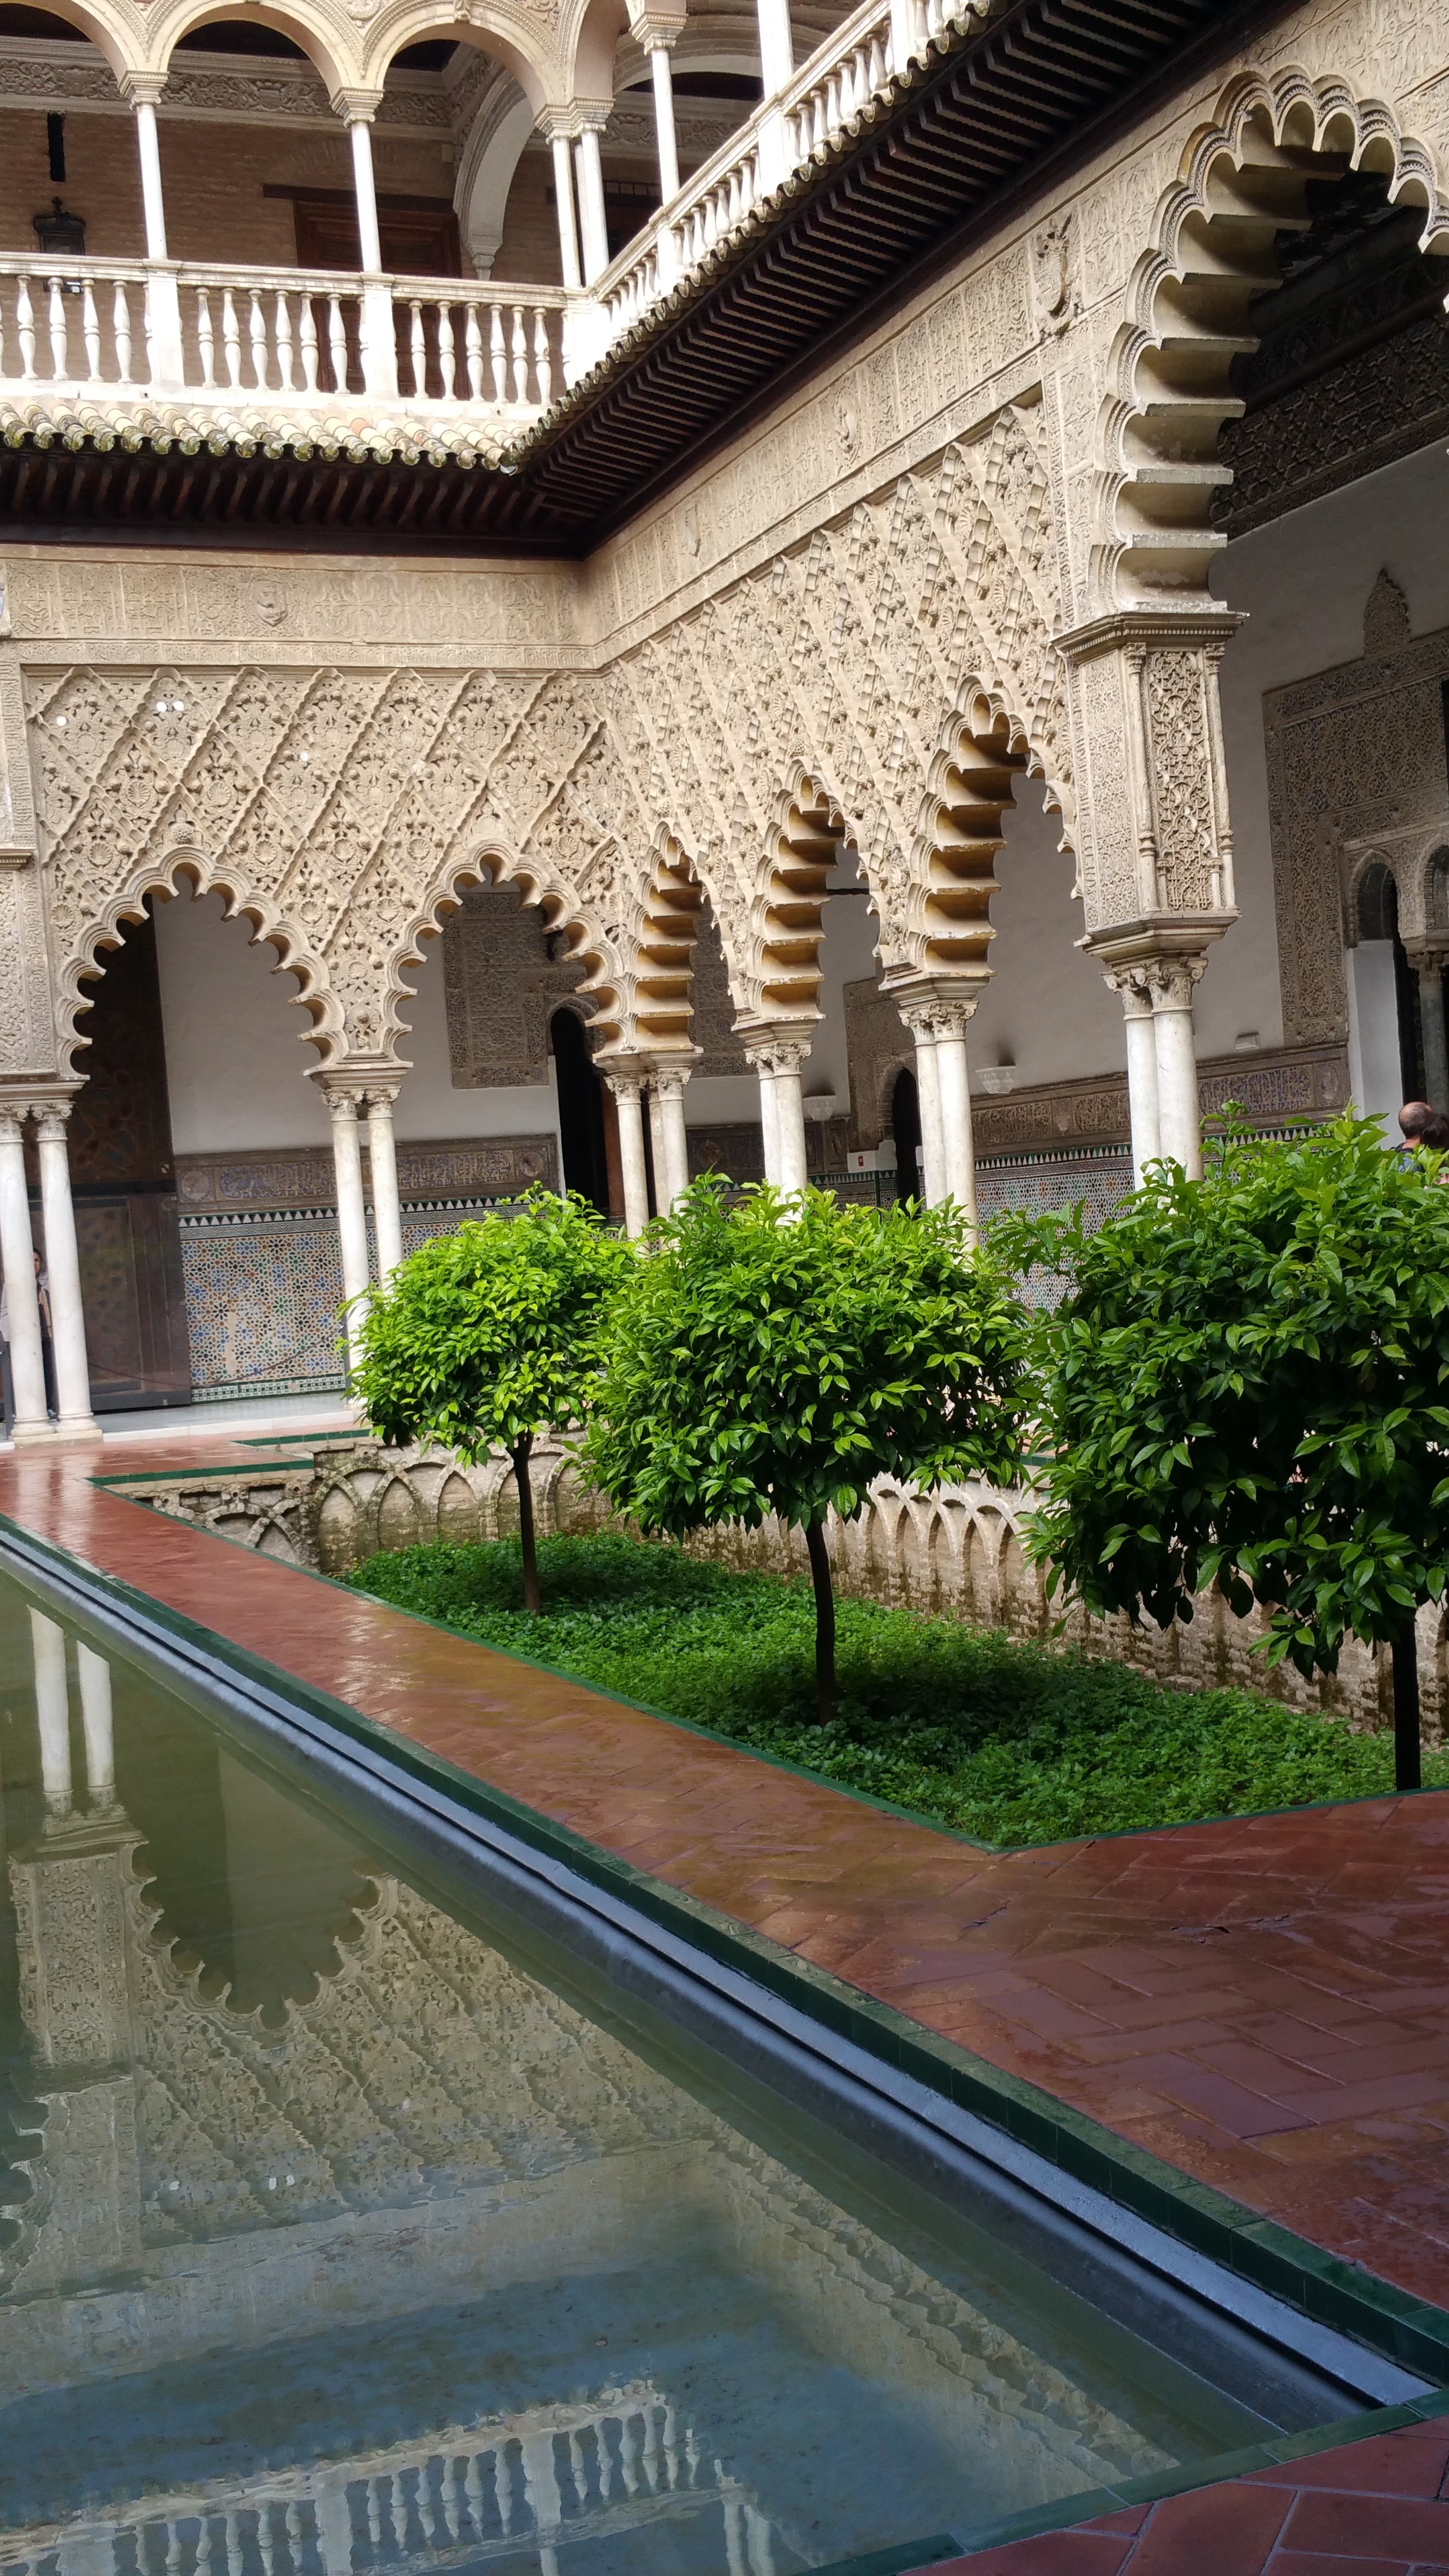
(1302, 2275)
(911, 2557)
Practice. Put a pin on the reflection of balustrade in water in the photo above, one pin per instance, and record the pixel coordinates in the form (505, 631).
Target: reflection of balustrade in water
(531, 2483)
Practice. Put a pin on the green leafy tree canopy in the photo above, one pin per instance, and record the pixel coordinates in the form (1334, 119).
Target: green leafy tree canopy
(1247, 1381)
(780, 1356)
(487, 1336)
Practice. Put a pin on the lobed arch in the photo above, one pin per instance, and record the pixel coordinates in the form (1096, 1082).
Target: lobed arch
(607, 982)
(985, 748)
(1242, 180)
(665, 938)
(187, 864)
(787, 910)
(1399, 888)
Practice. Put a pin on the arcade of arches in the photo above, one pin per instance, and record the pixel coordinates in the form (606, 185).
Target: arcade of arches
(1020, 737)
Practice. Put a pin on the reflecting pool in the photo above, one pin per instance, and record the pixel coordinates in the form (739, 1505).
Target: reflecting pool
(345, 2225)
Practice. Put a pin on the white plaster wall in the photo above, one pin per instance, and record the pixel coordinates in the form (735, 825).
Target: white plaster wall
(236, 1051)
(1305, 581)
(1046, 1009)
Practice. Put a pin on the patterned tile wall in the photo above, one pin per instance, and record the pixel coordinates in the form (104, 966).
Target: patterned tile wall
(264, 1294)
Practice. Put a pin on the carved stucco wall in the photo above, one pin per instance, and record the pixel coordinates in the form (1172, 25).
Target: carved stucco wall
(1356, 774)
(817, 604)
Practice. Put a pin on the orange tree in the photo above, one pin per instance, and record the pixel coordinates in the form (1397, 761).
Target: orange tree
(1247, 1383)
(778, 1357)
(490, 1335)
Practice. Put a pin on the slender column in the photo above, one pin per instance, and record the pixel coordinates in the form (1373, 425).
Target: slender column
(777, 44)
(953, 1085)
(351, 1215)
(148, 145)
(921, 1021)
(657, 1152)
(591, 203)
(777, 1061)
(626, 1088)
(669, 1082)
(1131, 983)
(99, 1725)
(22, 1299)
(62, 1262)
(52, 1707)
(568, 230)
(665, 142)
(386, 1204)
(1430, 971)
(1179, 1114)
(364, 186)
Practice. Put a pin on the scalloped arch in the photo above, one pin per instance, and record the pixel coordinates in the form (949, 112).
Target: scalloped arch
(787, 910)
(188, 864)
(665, 936)
(984, 748)
(1241, 180)
(608, 983)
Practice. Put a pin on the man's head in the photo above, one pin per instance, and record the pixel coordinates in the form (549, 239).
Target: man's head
(1424, 1125)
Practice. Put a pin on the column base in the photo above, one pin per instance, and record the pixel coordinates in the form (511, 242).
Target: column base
(31, 1435)
(77, 1426)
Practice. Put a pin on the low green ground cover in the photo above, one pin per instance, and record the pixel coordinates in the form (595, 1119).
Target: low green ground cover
(1009, 1742)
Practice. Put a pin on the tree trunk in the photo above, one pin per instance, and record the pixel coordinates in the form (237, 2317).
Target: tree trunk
(824, 1622)
(1407, 1771)
(532, 1599)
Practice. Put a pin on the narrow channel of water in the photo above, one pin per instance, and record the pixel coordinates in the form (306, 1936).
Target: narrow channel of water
(346, 2225)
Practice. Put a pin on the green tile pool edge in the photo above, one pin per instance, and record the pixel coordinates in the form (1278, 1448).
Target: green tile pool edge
(1302, 2275)
(1323, 2286)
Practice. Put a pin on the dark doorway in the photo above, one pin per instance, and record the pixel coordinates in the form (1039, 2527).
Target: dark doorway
(125, 1189)
(906, 1129)
(580, 1111)
(1378, 914)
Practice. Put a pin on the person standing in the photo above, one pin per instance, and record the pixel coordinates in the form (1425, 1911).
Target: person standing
(1424, 1129)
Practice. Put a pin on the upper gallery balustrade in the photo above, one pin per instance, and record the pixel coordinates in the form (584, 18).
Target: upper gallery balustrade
(105, 333)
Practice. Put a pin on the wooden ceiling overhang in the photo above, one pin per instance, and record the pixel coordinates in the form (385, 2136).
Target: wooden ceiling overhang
(942, 156)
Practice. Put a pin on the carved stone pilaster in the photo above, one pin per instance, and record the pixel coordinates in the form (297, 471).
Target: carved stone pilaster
(1153, 837)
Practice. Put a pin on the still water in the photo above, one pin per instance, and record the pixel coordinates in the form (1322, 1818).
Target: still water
(347, 2226)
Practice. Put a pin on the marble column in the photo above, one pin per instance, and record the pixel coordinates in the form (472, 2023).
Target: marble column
(1131, 982)
(75, 1420)
(777, 44)
(148, 146)
(364, 189)
(627, 1089)
(669, 1082)
(1430, 972)
(1173, 981)
(52, 1708)
(386, 1204)
(22, 1299)
(99, 1726)
(351, 1216)
(777, 1061)
(657, 1155)
(563, 189)
(953, 1088)
(592, 224)
(665, 143)
(920, 1019)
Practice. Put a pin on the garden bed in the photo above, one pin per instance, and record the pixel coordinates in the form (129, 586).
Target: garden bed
(1010, 1743)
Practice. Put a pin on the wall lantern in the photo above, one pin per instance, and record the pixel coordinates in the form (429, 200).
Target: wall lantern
(60, 234)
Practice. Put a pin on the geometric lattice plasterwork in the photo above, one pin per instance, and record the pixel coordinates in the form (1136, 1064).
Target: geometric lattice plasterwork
(334, 807)
(846, 660)
(338, 809)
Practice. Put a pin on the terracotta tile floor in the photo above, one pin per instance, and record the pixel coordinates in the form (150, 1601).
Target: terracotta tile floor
(1377, 2508)
(1264, 2003)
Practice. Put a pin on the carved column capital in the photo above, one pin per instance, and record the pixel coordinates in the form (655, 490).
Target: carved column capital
(669, 1080)
(776, 1055)
(356, 106)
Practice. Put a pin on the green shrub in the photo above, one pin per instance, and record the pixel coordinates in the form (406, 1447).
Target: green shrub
(1008, 1742)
